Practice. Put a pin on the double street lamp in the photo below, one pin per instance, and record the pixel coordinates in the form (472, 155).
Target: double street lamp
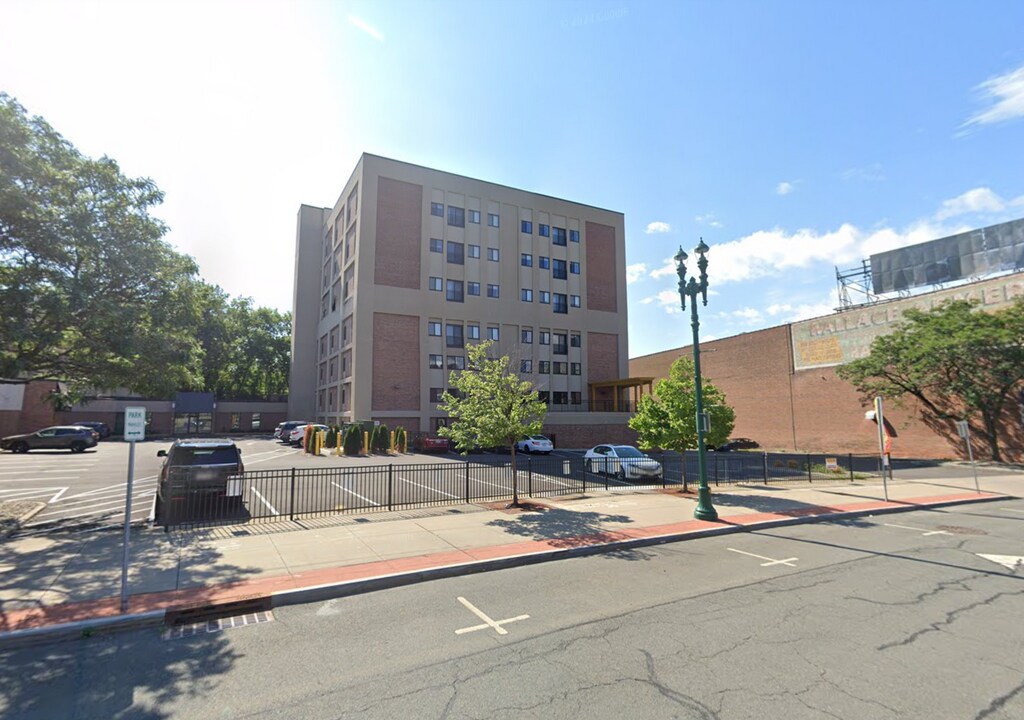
(705, 510)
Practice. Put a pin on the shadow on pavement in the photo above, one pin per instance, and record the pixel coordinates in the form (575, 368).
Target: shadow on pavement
(570, 529)
(776, 505)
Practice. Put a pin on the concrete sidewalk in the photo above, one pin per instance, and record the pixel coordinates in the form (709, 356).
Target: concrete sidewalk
(67, 584)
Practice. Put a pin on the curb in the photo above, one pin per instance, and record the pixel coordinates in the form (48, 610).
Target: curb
(21, 520)
(346, 588)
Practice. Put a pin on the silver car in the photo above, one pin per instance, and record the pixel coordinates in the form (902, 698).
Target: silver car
(623, 461)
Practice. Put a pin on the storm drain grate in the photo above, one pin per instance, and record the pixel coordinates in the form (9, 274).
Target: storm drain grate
(204, 620)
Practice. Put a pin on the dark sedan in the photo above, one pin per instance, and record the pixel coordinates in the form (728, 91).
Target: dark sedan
(60, 437)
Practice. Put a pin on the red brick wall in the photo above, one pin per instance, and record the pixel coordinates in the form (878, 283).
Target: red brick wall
(602, 357)
(396, 362)
(399, 234)
(36, 410)
(601, 262)
(578, 437)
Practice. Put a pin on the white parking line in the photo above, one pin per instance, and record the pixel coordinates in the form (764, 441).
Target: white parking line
(140, 481)
(64, 510)
(272, 508)
(353, 492)
(61, 514)
(38, 479)
(56, 497)
(484, 482)
(426, 487)
(923, 531)
(488, 623)
(787, 562)
(36, 470)
(1012, 510)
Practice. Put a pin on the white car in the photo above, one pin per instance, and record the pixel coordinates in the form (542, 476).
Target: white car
(299, 432)
(623, 461)
(535, 444)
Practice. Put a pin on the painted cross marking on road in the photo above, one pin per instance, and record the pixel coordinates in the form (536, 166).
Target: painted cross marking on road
(488, 623)
(788, 562)
(923, 531)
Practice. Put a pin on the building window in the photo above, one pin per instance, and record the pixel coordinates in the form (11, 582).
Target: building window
(526, 335)
(492, 254)
(575, 397)
(454, 291)
(574, 340)
(456, 216)
(526, 295)
(560, 348)
(434, 328)
(545, 337)
(435, 394)
(455, 253)
(558, 269)
(436, 245)
(559, 398)
(545, 230)
(561, 368)
(473, 331)
(492, 220)
(435, 284)
(236, 422)
(473, 288)
(256, 421)
(492, 333)
(436, 362)
(526, 260)
(574, 236)
(558, 236)
(456, 362)
(574, 301)
(575, 368)
(544, 263)
(437, 209)
(545, 297)
(560, 304)
(544, 367)
(526, 366)
(453, 336)
(527, 227)
(542, 395)
(474, 216)
(474, 251)
(492, 291)
(574, 268)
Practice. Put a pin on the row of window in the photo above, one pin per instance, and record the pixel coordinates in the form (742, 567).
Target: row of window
(456, 290)
(544, 338)
(557, 234)
(557, 266)
(558, 397)
(453, 332)
(457, 216)
(456, 251)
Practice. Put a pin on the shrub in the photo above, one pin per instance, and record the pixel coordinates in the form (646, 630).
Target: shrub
(381, 438)
(401, 440)
(353, 443)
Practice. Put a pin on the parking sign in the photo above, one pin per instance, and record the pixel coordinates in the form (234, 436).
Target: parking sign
(134, 423)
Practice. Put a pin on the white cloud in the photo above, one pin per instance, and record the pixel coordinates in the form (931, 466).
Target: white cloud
(977, 200)
(366, 28)
(666, 299)
(871, 173)
(784, 188)
(635, 272)
(658, 227)
(708, 219)
(1006, 93)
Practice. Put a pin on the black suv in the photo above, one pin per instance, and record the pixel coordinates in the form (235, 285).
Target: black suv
(738, 444)
(199, 478)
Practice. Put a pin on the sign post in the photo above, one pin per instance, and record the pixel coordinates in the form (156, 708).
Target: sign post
(882, 449)
(134, 430)
(964, 431)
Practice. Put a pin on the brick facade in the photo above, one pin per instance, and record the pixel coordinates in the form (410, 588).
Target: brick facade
(602, 267)
(396, 368)
(399, 221)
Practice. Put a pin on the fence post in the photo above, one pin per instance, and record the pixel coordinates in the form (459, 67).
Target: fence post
(810, 477)
(766, 467)
(529, 476)
(467, 481)
(851, 467)
(664, 473)
(291, 503)
(682, 471)
(390, 483)
(606, 473)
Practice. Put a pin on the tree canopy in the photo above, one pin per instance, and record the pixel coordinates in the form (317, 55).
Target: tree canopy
(958, 362)
(91, 293)
(668, 419)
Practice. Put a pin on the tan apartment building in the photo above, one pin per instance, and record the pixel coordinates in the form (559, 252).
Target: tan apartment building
(412, 265)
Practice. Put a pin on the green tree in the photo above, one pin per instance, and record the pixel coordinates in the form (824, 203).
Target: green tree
(89, 291)
(668, 419)
(246, 348)
(491, 406)
(959, 364)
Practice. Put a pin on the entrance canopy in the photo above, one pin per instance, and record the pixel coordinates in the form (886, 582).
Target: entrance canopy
(620, 395)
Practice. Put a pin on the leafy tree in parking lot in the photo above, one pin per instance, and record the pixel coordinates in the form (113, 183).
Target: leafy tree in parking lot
(955, 360)
(668, 419)
(491, 406)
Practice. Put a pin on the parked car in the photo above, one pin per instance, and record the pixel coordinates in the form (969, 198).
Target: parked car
(298, 433)
(60, 437)
(102, 428)
(738, 444)
(425, 443)
(198, 475)
(535, 444)
(623, 461)
(283, 430)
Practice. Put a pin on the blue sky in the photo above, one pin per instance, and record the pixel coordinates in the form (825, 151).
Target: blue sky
(792, 136)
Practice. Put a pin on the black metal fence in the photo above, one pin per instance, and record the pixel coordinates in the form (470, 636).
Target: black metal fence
(289, 494)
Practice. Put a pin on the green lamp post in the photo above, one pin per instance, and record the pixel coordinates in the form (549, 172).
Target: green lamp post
(705, 510)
